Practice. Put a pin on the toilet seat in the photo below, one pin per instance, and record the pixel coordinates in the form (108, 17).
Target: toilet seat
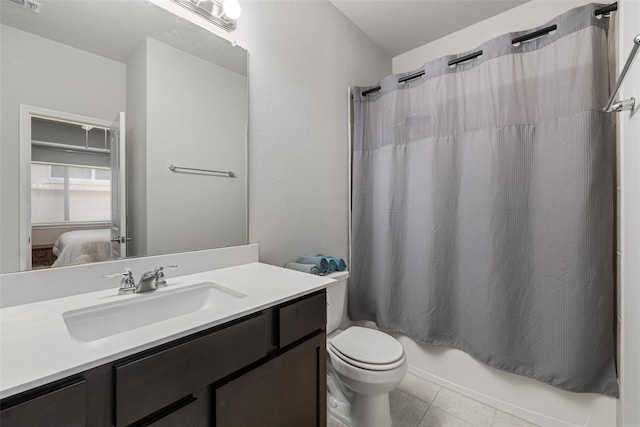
(367, 349)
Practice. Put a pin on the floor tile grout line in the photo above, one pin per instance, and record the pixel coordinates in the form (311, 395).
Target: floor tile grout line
(422, 416)
(427, 411)
(430, 405)
(424, 382)
(416, 398)
(493, 418)
(470, 398)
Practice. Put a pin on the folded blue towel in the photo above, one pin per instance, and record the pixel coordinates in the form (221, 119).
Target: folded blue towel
(332, 266)
(321, 262)
(340, 264)
(306, 268)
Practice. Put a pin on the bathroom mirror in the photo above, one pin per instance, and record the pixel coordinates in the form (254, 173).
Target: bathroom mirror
(179, 96)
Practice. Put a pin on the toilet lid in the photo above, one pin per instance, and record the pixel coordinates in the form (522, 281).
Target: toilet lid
(368, 346)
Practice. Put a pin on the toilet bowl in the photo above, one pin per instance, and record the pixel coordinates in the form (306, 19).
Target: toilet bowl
(363, 366)
(369, 364)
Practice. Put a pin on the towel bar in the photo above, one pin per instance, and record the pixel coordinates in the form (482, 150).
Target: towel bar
(178, 169)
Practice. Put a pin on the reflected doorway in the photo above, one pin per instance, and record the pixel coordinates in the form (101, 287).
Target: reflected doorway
(71, 187)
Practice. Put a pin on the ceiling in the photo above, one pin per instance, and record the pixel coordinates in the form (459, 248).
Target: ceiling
(398, 26)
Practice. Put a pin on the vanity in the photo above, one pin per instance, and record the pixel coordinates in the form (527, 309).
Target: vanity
(238, 346)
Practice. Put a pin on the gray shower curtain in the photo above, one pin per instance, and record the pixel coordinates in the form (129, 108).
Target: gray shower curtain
(483, 206)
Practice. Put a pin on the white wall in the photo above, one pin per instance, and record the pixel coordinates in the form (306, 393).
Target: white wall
(196, 117)
(39, 72)
(302, 57)
(190, 112)
(518, 395)
(629, 234)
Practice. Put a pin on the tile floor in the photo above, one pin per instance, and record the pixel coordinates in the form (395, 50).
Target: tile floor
(420, 403)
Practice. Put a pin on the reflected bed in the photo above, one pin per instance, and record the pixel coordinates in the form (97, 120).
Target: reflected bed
(82, 247)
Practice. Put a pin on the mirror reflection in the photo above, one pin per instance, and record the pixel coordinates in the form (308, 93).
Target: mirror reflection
(99, 98)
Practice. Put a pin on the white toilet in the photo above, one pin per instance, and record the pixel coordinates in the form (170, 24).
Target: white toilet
(363, 365)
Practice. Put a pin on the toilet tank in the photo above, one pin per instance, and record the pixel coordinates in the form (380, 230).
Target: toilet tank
(336, 300)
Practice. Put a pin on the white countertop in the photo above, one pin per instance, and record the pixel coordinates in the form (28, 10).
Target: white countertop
(36, 347)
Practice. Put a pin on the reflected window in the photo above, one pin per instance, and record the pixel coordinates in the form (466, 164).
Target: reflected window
(70, 173)
(63, 194)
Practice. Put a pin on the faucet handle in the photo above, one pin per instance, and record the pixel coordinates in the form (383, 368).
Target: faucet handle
(126, 275)
(127, 284)
(160, 280)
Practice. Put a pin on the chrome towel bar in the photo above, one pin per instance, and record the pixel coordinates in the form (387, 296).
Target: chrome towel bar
(180, 169)
(627, 104)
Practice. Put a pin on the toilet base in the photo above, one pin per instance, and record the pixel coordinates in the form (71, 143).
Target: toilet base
(371, 411)
(339, 410)
(365, 411)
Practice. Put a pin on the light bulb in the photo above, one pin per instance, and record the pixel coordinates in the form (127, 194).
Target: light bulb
(232, 9)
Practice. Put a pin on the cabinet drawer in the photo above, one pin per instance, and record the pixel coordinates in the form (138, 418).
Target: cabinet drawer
(301, 318)
(146, 385)
(64, 406)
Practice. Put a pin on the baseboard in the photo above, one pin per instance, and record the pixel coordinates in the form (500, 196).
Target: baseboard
(520, 412)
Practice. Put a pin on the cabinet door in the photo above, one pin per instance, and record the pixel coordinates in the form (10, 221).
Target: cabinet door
(148, 384)
(62, 406)
(289, 390)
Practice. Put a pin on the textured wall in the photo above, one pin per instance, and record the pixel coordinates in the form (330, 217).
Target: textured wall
(302, 57)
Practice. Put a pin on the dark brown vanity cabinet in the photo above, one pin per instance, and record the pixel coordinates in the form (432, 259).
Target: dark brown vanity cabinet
(64, 402)
(265, 369)
(285, 391)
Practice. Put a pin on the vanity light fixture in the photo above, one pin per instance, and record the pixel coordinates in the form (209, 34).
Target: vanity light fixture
(223, 13)
(231, 9)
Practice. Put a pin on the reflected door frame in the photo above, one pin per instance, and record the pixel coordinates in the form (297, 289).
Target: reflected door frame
(27, 112)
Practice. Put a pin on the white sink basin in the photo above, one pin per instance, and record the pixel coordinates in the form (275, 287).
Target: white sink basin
(134, 311)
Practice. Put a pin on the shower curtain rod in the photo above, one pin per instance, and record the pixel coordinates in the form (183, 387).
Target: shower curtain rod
(411, 76)
(606, 10)
(603, 11)
(465, 58)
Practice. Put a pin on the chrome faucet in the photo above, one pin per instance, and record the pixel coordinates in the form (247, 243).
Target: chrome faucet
(149, 281)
